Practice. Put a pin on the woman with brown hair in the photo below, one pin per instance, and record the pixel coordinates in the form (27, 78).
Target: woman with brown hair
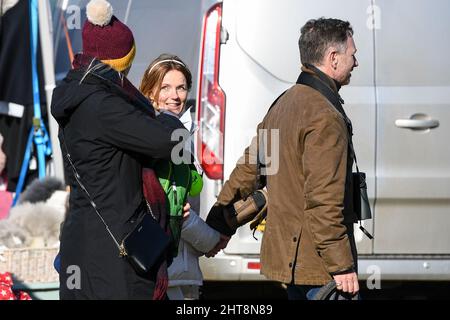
(166, 83)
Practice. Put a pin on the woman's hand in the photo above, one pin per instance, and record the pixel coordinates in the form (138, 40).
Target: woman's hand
(186, 210)
(223, 242)
(2, 156)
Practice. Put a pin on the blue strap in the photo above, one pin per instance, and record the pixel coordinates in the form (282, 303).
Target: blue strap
(41, 138)
(24, 168)
(34, 38)
(38, 132)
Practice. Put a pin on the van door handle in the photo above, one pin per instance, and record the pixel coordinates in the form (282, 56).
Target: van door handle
(417, 123)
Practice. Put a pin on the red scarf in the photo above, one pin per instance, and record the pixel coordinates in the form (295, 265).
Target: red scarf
(156, 198)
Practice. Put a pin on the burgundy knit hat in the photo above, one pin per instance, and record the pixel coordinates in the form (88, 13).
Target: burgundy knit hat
(106, 38)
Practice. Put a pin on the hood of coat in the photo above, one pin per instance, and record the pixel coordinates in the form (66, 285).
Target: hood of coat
(89, 76)
(69, 95)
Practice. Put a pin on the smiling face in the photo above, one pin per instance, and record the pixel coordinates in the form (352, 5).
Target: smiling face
(166, 83)
(173, 93)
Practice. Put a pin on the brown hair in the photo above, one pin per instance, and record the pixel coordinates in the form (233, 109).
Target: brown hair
(158, 68)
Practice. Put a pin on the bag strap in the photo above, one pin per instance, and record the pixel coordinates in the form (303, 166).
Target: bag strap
(261, 179)
(333, 97)
(121, 248)
(336, 100)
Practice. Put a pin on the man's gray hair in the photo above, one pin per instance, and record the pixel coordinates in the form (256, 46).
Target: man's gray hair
(317, 35)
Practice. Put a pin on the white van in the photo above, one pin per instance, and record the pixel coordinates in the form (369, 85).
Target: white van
(398, 100)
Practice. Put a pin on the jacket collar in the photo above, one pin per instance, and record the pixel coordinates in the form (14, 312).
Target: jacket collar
(333, 84)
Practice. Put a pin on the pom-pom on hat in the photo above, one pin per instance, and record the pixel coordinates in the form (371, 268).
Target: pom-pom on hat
(106, 38)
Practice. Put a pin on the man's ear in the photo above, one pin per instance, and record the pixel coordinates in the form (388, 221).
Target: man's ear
(332, 57)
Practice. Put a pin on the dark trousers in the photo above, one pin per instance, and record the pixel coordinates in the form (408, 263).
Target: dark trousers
(301, 292)
(307, 292)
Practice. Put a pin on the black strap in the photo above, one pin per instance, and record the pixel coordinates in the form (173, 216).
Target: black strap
(334, 98)
(317, 84)
(261, 179)
(120, 246)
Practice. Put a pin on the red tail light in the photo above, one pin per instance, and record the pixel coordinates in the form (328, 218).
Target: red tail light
(254, 265)
(211, 98)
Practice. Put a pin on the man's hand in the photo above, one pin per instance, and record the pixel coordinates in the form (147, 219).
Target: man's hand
(347, 282)
(222, 244)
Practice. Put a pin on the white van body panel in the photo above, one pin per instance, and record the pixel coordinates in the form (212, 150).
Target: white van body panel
(413, 167)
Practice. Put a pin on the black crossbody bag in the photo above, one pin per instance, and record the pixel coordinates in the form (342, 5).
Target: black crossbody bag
(144, 246)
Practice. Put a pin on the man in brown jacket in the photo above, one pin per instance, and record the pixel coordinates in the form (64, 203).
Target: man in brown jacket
(308, 239)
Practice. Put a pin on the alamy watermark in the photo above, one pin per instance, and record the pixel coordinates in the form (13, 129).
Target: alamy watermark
(73, 17)
(264, 148)
(373, 281)
(74, 279)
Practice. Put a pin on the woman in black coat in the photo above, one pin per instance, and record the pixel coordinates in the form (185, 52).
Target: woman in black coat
(109, 129)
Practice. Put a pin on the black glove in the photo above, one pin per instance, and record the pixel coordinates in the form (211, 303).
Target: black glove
(226, 219)
(216, 220)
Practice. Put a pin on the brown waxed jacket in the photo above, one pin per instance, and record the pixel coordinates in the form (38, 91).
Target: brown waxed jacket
(306, 238)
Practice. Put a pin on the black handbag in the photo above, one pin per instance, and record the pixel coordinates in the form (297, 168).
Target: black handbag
(360, 200)
(145, 245)
(361, 205)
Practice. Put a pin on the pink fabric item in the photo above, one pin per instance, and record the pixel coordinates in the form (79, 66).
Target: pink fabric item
(6, 199)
